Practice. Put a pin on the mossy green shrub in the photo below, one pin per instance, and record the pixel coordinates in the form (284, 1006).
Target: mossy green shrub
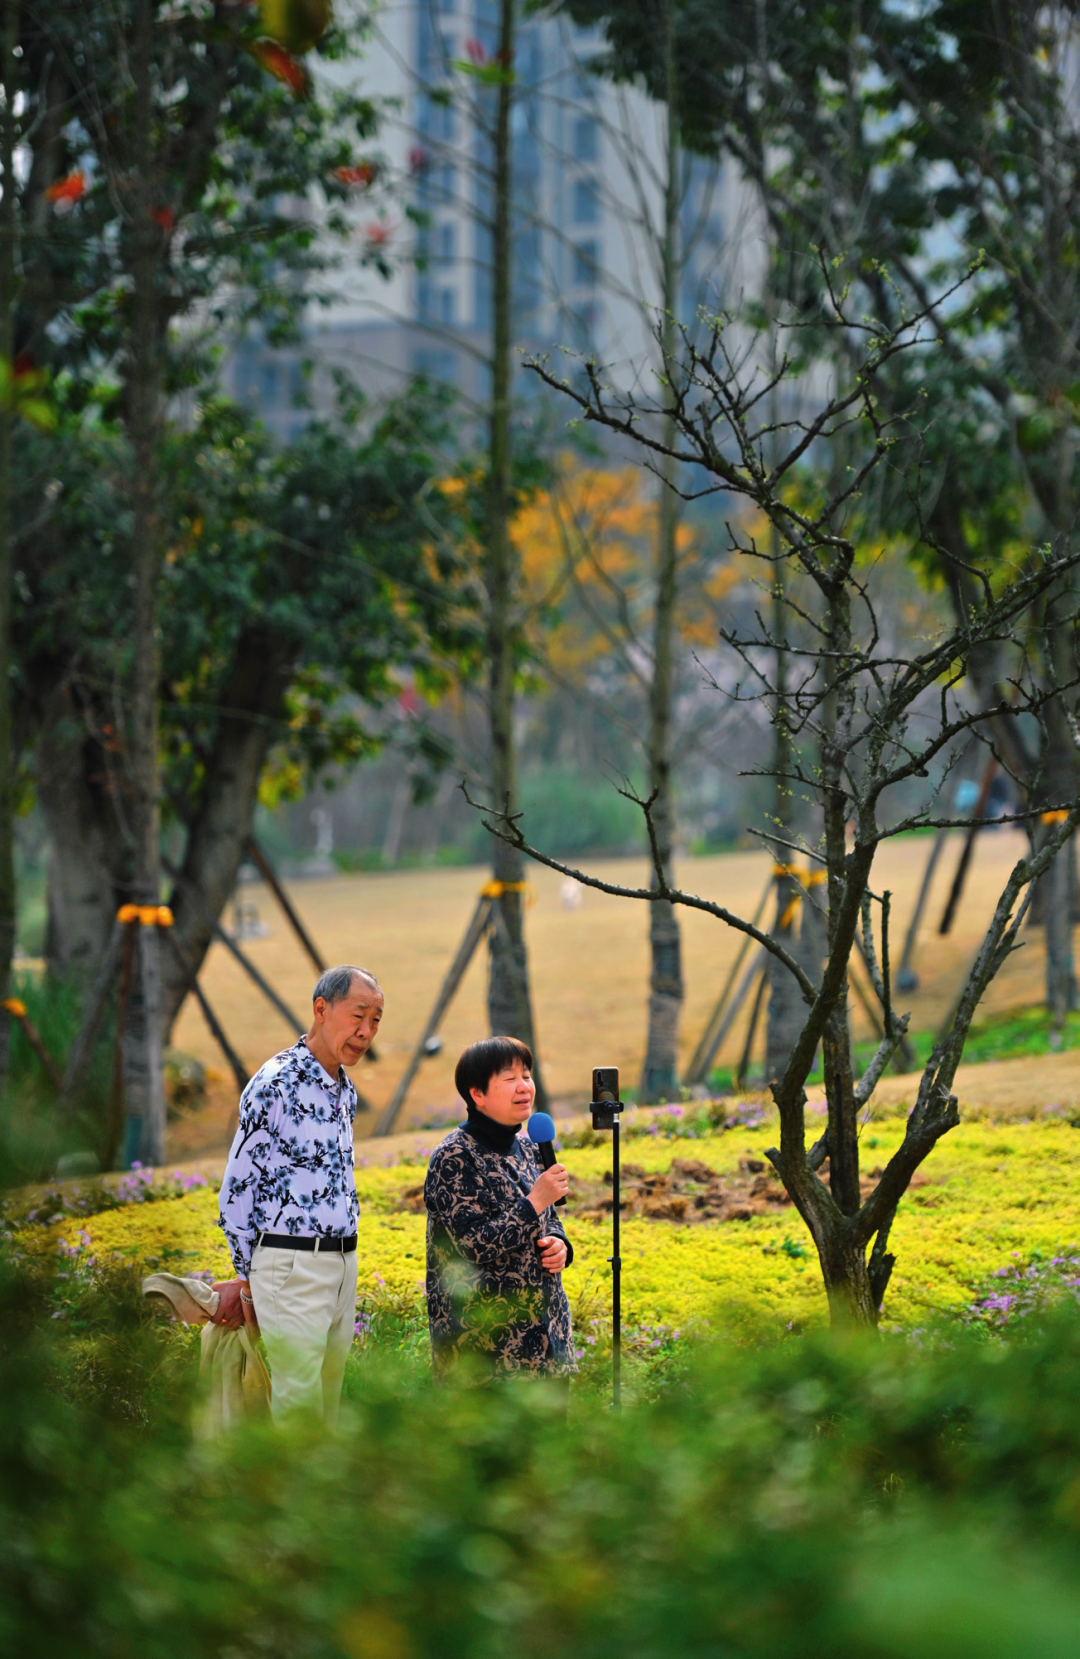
(32, 1132)
(864, 1499)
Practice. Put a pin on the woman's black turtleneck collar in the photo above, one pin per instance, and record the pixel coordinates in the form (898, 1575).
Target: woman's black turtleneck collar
(497, 1137)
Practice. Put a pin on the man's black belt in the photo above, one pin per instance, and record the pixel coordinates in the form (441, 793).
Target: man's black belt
(294, 1241)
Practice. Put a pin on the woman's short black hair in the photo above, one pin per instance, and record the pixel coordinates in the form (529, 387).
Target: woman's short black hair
(482, 1060)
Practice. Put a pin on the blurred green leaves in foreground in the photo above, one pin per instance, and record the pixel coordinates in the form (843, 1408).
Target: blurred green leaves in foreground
(906, 1497)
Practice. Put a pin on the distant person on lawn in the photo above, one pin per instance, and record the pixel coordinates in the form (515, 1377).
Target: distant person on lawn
(495, 1246)
(288, 1198)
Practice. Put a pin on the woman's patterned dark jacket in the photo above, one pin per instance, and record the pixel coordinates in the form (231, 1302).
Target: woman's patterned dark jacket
(487, 1293)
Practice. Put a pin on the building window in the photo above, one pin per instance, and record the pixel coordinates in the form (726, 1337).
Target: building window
(583, 320)
(586, 202)
(586, 141)
(586, 259)
(447, 305)
(445, 244)
(437, 117)
(435, 364)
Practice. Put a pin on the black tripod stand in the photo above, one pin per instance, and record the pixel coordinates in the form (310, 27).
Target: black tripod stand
(605, 1109)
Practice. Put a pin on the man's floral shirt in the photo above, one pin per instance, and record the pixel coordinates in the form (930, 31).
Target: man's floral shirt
(290, 1169)
(488, 1297)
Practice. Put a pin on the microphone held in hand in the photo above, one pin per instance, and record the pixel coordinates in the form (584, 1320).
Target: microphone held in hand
(541, 1131)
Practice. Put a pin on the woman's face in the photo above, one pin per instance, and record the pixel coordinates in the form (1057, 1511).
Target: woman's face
(510, 1095)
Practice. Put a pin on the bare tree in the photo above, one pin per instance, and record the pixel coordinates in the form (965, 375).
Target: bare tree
(861, 709)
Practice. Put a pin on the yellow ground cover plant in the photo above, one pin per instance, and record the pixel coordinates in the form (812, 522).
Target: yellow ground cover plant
(994, 1194)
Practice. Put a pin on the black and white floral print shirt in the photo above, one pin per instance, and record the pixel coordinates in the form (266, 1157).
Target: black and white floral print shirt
(290, 1169)
(487, 1294)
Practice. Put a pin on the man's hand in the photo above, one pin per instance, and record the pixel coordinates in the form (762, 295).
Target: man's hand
(552, 1253)
(551, 1185)
(231, 1309)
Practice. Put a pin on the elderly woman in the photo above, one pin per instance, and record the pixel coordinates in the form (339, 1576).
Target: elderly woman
(495, 1248)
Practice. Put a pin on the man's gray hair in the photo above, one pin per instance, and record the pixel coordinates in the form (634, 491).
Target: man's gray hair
(336, 983)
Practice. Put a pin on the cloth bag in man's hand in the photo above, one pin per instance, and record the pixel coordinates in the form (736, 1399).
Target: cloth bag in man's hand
(234, 1384)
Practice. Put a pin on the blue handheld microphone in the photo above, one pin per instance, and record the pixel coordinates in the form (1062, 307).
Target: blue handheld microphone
(541, 1131)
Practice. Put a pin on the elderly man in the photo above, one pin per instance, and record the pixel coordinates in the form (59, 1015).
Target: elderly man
(288, 1198)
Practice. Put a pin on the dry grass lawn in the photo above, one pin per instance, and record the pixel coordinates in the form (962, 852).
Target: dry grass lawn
(589, 969)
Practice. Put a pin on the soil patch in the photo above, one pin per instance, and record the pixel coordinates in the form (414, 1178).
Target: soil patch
(688, 1192)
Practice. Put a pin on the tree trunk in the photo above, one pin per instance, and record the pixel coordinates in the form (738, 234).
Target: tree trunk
(660, 1077)
(7, 420)
(85, 839)
(509, 1003)
(847, 1280)
(252, 700)
(143, 1079)
(786, 1007)
(1060, 787)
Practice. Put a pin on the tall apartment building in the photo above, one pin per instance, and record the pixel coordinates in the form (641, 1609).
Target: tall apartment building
(588, 163)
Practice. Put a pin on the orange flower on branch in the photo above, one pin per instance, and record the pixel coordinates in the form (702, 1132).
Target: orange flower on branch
(282, 65)
(361, 176)
(165, 217)
(66, 192)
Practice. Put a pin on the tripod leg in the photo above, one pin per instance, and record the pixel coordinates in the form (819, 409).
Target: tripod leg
(616, 1272)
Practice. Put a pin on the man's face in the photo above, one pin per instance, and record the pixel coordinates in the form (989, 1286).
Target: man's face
(509, 1096)
(347, 1028)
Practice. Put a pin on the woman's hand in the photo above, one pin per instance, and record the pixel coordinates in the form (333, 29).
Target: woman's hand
(551, 1185)
(552, 1253)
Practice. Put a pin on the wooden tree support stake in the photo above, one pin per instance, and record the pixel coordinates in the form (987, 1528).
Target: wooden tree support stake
(757, 965)
(906, 977)
(474, 933)
(17, 1009)
(751, 1030)
(716, 1026)
(240, 1072)
(233, 948)
(960, 877)
(269, 875)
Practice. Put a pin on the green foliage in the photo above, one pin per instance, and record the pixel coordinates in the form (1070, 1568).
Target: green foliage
(806, 1497)
(1008, 1036)
(233, 150)
(297, 582)
(32, 1135)
(567, 813)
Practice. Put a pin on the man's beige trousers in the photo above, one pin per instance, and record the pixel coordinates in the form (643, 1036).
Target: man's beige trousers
(305, 1302)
